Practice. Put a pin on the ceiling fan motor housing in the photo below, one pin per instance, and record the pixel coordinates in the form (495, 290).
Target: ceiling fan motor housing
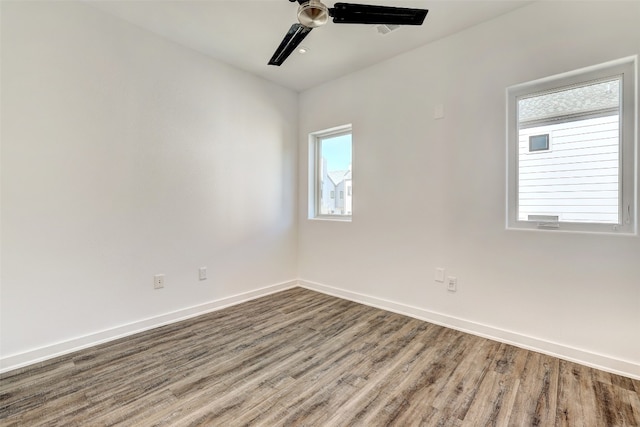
(313, 14)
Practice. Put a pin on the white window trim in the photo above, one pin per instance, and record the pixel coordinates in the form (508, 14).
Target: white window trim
(314, 170)
(629, 158)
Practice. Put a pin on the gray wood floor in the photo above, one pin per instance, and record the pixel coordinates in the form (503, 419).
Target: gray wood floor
(303, 358)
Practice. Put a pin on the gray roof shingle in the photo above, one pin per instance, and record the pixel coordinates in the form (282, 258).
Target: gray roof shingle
(584, 99)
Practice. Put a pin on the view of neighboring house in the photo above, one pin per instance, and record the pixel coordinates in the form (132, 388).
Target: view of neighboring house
(569, 154)
(336, 193)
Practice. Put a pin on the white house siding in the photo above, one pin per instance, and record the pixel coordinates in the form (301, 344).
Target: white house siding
(348, 197)
(343, 197)
(340, 192)
(327, 203)
(335, 181)
(577, 178)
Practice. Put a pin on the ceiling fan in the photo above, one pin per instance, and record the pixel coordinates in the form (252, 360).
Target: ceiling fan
(313, 13)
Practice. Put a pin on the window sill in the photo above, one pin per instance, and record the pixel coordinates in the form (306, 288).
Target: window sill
(331, 218)
(574, 231)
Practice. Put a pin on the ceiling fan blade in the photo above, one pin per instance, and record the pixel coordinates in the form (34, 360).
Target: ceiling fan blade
(350, 13)
(291, 40)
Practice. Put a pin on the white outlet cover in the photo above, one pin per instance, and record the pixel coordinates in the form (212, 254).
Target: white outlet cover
(202, 273)
(158, 281)
(439, 277)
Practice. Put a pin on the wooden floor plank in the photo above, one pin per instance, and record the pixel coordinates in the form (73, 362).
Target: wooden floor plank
(301, 358)
(536, 399)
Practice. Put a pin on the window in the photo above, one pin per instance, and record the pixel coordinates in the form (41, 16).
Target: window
(330, 171)
(586, 182)
(538, 142)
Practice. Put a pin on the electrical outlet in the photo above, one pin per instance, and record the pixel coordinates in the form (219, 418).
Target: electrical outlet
(158, 281)
(452, 284)
(202, 273)
(439, 275)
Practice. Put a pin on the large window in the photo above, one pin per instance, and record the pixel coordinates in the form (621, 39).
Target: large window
(330, 166)
(571, 151)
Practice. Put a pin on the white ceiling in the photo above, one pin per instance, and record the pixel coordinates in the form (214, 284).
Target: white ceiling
(245, 33)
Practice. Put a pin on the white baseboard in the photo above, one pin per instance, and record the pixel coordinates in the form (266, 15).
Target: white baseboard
(583, 357)
(16, 361)
(598, 361)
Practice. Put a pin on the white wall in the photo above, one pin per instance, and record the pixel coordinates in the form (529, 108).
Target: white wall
(431, 193)
(124, 156)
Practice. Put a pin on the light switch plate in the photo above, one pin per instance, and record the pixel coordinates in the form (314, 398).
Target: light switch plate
(452, 284)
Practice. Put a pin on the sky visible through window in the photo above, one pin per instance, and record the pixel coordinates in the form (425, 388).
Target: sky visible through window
(337, 151)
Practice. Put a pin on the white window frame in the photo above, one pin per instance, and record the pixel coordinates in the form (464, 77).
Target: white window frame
(315, 167)
(628, 175)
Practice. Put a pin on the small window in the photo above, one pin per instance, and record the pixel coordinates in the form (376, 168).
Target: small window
(586, 183)
(330, 171)
(539, 143)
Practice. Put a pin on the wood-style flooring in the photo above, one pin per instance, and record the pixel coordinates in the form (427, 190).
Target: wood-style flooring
(301, 358)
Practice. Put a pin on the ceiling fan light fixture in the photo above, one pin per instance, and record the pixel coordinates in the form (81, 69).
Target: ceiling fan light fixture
(385, 29)
(313, 14)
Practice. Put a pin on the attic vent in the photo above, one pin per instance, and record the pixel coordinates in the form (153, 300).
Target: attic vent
(384, 29)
